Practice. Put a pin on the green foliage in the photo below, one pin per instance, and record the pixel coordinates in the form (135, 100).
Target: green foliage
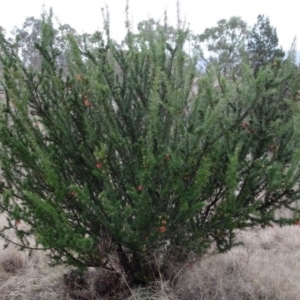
(115, 158)
(263, 44)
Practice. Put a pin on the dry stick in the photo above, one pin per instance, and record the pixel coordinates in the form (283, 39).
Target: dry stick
(128, 286)
(185, 265)
(161, 279)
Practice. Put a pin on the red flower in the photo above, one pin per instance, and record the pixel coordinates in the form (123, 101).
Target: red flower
(297, 223)
(17, 223)
(87, 103)
(98, 165)
(245, 125)
(161, 229)
(140, 188)
(167, 156)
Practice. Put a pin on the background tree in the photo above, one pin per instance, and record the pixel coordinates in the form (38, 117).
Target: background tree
(262, 44)
(30, 33)
(225, 43)
(118, 162)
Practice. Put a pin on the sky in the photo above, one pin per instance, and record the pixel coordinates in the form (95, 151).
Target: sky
(86, 16)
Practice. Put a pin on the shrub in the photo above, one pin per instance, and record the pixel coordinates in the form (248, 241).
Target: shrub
(115, 160)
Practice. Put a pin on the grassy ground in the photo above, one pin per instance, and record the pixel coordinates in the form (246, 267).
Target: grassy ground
(267, 266)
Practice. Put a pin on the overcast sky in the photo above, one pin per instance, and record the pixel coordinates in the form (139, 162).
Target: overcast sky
(85, 16)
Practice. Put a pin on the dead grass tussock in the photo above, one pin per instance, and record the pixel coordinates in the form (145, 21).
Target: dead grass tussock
(94, 284)
(266, 267)
(160, 290)
(25, 277)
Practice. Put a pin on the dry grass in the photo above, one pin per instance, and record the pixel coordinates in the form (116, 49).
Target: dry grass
(25, 277)
(265, 267)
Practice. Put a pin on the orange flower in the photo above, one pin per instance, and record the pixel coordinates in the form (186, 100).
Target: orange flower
(73, 194)
(98, 165)
(87, 103)
(245, 125)
(140, 188)
(162, 229)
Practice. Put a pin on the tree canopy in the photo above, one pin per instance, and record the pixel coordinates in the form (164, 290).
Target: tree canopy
(263, 44)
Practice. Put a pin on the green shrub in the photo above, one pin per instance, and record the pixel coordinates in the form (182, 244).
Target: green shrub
(115, 159)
